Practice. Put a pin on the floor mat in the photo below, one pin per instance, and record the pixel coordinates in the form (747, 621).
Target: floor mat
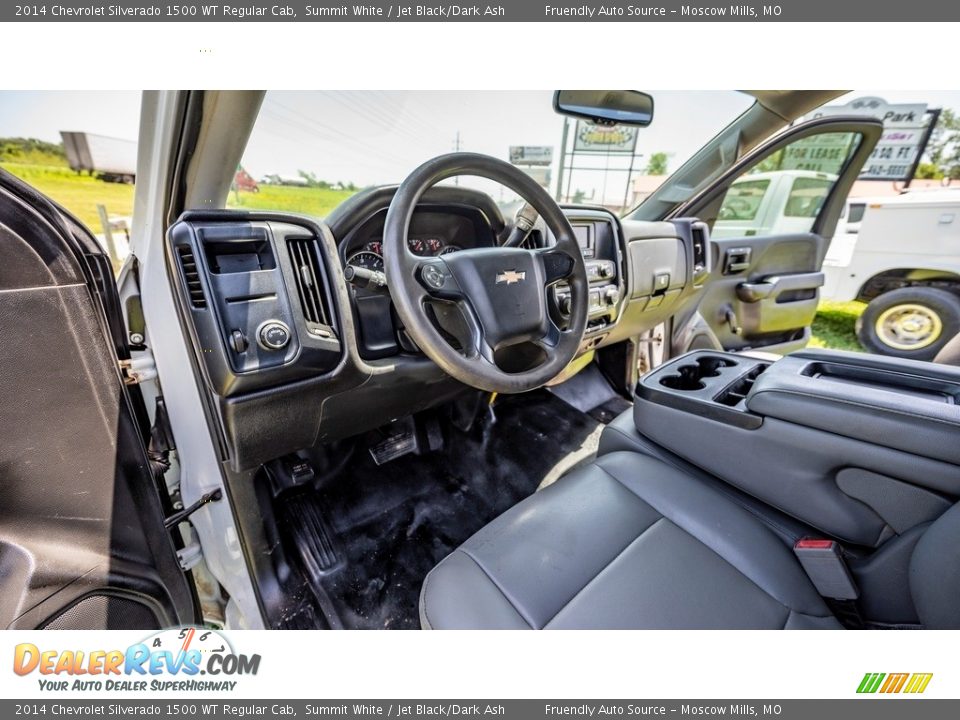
(395, 522)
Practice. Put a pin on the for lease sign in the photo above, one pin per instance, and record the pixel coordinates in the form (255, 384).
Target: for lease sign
(902, 142)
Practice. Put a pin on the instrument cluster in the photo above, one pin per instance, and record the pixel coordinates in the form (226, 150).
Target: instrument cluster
(370, 256)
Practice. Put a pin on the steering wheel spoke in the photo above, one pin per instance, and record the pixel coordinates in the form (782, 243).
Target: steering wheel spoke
(477, 348)
(557, 265)
(550, 339)
(436, 279)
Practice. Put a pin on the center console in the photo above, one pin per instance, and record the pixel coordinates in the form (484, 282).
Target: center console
(861, 447)
(597, 234)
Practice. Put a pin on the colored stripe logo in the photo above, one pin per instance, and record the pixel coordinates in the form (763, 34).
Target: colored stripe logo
(912, 683)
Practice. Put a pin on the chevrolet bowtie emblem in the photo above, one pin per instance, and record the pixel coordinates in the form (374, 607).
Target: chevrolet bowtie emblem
(510, 277)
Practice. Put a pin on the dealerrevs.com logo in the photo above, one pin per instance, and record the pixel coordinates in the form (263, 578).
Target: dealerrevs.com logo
(891, 683)
(181, 659)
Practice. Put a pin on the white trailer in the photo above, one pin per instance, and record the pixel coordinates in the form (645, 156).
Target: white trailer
(109, 158)
(901, 255)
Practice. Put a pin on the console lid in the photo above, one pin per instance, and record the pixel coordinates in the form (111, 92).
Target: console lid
(901, 404)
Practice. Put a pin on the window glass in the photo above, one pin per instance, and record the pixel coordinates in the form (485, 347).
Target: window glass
(742, 201)
(807, 196)
(80, 150)
(310, 150)
(785, 191)
(856, 212)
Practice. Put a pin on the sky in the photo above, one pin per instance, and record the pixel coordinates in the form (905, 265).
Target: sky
(376, 137)
(44, 114)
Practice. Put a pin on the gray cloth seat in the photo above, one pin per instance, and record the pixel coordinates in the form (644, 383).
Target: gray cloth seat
(625, 542)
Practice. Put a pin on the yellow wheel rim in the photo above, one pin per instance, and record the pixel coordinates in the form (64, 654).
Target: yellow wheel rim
(909, 327)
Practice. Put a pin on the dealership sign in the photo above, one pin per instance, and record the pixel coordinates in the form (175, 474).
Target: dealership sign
(618, 139)
(531, 154)
(905, 134)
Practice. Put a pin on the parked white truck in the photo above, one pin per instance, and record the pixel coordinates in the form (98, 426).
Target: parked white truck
(777, 202)
(901, 255)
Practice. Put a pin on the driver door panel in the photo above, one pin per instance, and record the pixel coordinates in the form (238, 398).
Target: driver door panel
(82, 537)
(764, 291)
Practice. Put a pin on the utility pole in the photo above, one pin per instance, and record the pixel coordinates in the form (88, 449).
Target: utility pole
(626, 191)
(563, 157)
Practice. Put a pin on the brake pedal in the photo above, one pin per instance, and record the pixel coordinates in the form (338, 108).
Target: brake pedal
(395, 446)
(419, 434)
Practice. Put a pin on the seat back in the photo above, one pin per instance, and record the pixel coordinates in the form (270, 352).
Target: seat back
(935, 573)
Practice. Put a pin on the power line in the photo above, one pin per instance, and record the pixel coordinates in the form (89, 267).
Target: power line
(375, 109)
(311, 124)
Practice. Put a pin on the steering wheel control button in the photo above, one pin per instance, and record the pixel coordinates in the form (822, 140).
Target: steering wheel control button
(273, 335)
(433, 277)
(238, 341)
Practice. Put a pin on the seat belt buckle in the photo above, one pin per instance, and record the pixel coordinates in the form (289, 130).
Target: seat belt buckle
(823, 562)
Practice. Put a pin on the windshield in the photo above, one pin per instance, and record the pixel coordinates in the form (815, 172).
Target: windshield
(311, 150)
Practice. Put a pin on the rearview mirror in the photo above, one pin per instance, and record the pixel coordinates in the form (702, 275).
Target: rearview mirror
(606, 107)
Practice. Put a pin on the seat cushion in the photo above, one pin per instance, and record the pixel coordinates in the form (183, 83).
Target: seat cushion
(625, 542)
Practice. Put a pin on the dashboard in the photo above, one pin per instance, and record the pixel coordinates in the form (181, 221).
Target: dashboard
(292, 355)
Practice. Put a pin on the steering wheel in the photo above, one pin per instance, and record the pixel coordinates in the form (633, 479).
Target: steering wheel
(499, 293)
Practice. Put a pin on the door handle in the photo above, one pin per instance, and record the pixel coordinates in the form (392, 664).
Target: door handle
(772, 286)
(755, 292)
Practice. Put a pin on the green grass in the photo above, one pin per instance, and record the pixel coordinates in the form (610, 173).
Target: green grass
(309, 201)
(30, 151)
(833, 328)
(80, 194)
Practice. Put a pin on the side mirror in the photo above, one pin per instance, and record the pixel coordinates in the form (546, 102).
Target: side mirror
(606, 107)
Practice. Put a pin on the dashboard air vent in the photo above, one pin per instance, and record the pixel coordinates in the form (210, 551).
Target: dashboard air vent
(306, 270)
(192, 275)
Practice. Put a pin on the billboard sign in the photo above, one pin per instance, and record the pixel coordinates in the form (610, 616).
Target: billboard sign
(905, 134)
(531, 155)
(618, 139)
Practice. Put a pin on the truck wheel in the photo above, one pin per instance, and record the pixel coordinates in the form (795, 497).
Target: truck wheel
(913, 322)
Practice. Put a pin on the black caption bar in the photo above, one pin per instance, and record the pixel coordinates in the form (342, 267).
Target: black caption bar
(507, 10)
(210, 707)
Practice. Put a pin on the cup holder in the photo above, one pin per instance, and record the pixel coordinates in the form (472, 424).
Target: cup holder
(689, 378)
(710, 366)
